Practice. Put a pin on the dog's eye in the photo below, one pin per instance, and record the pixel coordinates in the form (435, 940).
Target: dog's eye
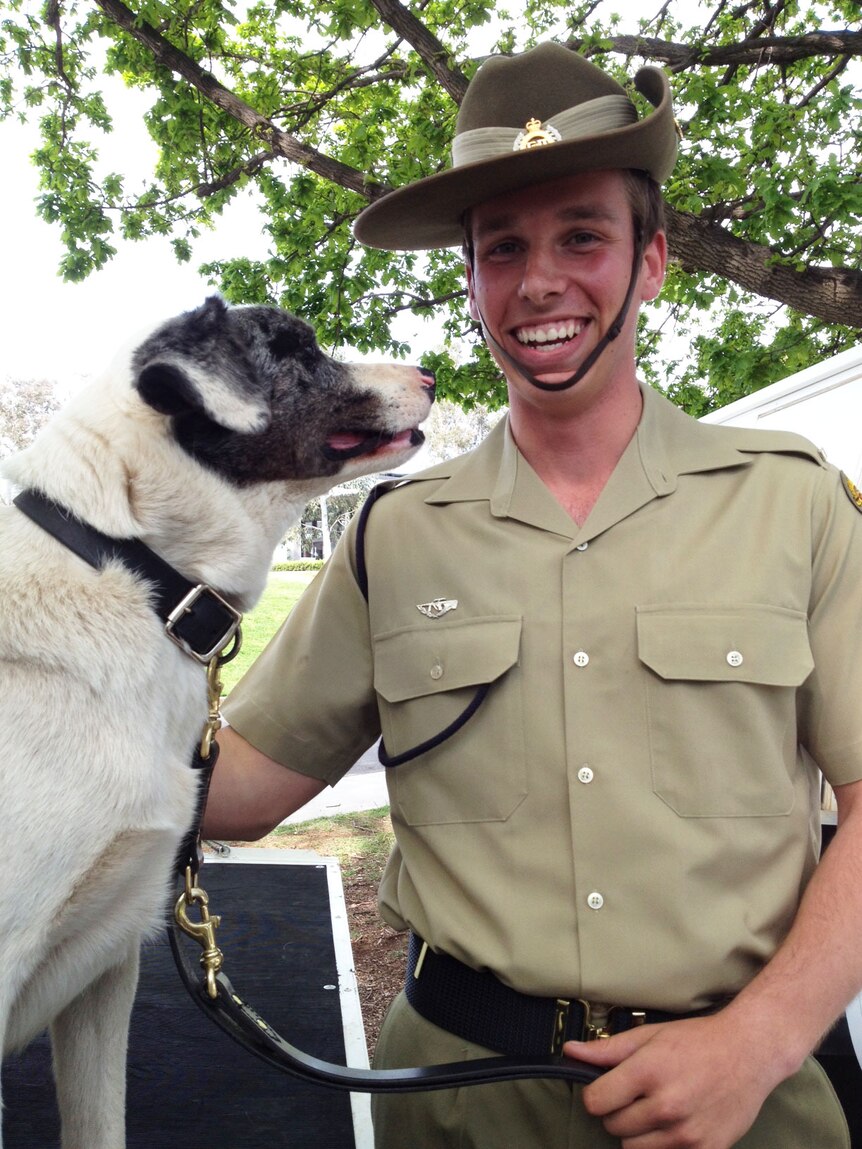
(293, 343)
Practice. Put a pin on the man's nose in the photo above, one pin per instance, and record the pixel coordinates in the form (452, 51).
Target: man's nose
(542, 278)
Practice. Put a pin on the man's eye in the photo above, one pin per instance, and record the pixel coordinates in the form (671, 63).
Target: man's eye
(503, 248)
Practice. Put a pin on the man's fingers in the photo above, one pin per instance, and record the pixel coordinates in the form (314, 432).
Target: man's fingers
(609, 1051)
(612, 1091)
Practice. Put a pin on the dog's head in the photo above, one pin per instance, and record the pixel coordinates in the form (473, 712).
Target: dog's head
(251, 396)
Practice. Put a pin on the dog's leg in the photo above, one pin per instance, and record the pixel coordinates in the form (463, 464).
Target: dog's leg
(89, 1040)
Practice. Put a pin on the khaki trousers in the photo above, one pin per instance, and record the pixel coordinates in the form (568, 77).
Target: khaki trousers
(803, 1113)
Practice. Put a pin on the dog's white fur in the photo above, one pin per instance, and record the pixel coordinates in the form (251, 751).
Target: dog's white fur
(99, 710)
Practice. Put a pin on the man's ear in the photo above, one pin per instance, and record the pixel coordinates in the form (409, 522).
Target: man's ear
(653, 266)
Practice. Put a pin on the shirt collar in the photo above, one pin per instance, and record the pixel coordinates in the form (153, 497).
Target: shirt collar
(667, 443)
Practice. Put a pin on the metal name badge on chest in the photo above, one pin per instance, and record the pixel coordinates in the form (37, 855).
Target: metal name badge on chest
(437, 607)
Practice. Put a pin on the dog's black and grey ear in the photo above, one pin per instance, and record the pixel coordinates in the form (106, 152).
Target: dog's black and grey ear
(196, 363)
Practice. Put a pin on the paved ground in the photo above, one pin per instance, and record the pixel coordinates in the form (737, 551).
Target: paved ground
(363, 788)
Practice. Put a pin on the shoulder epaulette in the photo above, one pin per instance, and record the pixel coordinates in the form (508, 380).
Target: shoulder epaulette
(776, 443)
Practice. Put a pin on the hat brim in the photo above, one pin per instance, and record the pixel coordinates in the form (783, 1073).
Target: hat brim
(429, 212)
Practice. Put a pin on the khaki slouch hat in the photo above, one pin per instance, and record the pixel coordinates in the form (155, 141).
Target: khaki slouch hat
(525, 120)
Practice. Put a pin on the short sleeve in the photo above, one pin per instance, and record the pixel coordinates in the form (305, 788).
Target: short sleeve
(308, 700)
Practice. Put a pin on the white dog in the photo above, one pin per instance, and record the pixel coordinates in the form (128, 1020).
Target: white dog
(205, 442)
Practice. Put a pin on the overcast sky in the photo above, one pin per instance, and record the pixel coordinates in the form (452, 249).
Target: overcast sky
(64, 330)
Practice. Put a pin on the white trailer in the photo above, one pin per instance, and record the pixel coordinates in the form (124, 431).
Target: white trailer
(823, 403)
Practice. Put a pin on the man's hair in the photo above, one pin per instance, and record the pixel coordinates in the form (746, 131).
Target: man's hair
(645, 199)
(647, 204)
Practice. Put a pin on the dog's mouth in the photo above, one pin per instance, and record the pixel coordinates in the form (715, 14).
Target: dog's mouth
(355, 444)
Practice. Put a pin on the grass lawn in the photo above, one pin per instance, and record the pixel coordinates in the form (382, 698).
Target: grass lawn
(361, 841)
(259, 625)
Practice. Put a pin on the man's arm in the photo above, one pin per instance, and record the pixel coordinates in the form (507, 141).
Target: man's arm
(700, 1084)
(250, 794)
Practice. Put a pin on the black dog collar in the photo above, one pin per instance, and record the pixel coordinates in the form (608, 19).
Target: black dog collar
(196, 618)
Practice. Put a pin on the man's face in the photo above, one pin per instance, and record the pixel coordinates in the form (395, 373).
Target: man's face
(551, 270)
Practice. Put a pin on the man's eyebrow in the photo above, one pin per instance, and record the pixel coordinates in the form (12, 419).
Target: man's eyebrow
(576, 213)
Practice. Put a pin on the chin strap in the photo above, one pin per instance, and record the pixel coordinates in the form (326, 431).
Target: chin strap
(610, 335)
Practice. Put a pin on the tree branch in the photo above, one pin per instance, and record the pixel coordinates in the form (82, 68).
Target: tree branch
(52, 19)
(755, 50)
(251, 165)
(281, 143)
(417, 302)
(361, 78)
(432, 52)
(831, 294)
(832, 74)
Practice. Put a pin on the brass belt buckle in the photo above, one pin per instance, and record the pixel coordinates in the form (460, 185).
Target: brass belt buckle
(590, 1030)
(593, 1031)
(561, 1020)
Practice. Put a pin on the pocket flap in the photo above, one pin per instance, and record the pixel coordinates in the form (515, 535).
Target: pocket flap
(439, 656)
(759, 644)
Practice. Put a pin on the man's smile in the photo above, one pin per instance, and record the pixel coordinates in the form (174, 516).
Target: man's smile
(550, 335)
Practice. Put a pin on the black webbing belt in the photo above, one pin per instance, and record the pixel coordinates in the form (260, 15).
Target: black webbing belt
(476, 1005)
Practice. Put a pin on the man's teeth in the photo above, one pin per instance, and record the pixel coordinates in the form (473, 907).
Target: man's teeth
(553, 333)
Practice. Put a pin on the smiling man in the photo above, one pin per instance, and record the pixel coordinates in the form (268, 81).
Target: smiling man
(551, 270)
(609, 653)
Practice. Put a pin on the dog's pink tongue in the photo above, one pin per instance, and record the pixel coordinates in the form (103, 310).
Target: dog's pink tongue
(344, 441)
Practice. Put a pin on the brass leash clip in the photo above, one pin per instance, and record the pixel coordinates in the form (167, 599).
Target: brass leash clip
(203, 931)
(213, 722)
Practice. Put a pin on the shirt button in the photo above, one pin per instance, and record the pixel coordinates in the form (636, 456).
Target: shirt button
(595, 900)
(436, 671)
(581, 546)
(734, 658)
(585, 774)
(581, 658)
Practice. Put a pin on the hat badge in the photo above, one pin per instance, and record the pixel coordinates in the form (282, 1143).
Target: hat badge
(535, 136)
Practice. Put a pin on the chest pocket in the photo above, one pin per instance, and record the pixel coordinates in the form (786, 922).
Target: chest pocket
(721, 706)
(451, 679)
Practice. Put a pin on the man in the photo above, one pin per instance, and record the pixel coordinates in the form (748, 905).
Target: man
(608, 652)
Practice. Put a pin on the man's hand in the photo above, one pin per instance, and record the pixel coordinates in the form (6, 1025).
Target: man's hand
(700, 1083)
(693, 1084)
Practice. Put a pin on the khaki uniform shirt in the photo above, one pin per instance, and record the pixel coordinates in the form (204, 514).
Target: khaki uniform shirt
(632, 813)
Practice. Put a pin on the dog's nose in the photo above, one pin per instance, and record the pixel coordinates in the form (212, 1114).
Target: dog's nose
(428, 380)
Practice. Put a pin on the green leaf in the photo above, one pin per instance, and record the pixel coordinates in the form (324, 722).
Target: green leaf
(769, 149)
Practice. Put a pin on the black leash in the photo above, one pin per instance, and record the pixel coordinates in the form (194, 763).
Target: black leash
(240, 1021)
(203, 625)
(390, 761)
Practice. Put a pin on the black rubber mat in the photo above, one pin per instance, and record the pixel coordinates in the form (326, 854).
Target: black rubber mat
(189, 1085)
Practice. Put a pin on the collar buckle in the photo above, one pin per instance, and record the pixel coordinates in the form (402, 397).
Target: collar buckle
(214, 622)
